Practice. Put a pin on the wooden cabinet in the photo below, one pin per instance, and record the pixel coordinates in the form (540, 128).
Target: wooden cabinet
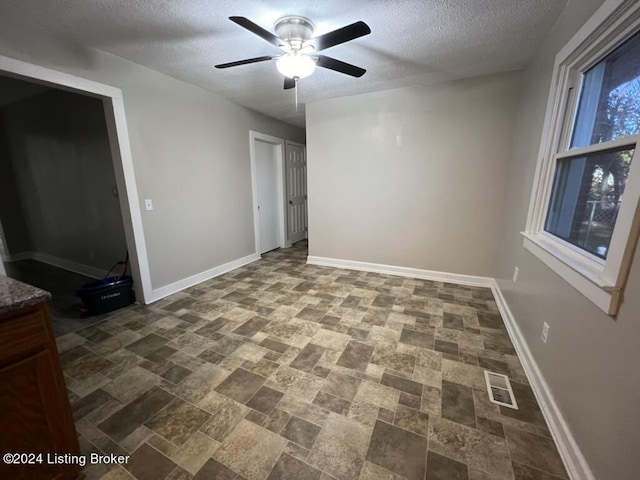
(35, 416)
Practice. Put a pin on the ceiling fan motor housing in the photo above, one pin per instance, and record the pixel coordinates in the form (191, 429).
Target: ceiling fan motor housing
(294, 30)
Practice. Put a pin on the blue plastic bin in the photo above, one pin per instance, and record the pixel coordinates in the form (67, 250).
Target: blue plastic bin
(106, 295)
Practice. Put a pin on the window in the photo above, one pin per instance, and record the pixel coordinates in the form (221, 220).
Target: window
(583, 220)
(585, 199)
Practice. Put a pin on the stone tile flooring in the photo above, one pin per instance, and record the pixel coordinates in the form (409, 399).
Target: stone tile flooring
(280, 370)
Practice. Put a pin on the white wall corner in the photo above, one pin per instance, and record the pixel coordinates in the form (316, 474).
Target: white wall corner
(574, 461)
(162, 292)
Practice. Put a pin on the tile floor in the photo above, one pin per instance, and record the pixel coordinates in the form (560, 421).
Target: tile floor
(279, 370)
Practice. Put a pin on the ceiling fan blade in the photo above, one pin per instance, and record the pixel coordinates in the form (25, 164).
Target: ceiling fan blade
(341, 35)
(339, 66)
(257, 29)
(245, 62)
(289, 83)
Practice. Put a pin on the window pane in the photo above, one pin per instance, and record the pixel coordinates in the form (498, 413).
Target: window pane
(609, 104)
(586, 196)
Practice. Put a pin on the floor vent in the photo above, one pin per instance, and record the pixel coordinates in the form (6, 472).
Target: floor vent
(499, 390)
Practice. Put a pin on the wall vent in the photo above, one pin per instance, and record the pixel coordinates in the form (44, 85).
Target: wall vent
(499, 390)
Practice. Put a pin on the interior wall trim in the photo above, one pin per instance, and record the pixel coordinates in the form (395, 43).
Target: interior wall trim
(162, 292)
(575, 463)
(470, 280)
(63, 263)
(572, 457)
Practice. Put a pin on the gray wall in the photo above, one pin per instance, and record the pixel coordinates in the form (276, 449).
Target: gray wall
(412, 177)
(591, 361)
(60, 167)
(12, 213)
(190, 153)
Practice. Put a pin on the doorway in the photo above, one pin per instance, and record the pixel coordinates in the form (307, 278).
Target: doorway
(267, 171)
(279, 178)
(111, 99)
(59, 210)
(268, 201)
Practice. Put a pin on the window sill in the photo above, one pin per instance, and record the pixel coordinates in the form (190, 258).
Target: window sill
(588, 281)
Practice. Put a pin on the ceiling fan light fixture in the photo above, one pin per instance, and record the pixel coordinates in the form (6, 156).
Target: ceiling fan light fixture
(295, 66)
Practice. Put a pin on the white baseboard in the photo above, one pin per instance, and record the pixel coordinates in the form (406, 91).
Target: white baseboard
(162, 292)
(470, 280)
(63, 263)
(574, 461)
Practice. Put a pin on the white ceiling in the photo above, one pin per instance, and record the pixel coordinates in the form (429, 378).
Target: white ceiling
(412, 42)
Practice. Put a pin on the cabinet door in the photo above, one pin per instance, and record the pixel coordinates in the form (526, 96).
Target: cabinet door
(33, 418)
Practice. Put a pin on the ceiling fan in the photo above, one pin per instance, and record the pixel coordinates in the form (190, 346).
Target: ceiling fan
(299, 49)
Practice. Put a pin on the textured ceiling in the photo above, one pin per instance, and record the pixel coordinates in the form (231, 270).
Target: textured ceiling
(412, 42)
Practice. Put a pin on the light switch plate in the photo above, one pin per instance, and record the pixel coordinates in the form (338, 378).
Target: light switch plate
(148, 204)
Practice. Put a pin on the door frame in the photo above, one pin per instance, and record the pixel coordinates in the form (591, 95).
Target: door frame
(112, 101)
(282, 226)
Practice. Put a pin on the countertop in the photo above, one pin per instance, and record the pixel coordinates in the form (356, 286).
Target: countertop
(15, 295)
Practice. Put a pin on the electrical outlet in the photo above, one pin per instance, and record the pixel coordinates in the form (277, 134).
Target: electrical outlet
(545, 332)
(148, 204)
(516, 271)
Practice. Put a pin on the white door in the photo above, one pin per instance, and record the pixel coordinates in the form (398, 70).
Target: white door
(296, 192)
(266, 157)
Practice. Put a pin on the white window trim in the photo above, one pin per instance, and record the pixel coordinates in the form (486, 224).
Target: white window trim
(600, 281)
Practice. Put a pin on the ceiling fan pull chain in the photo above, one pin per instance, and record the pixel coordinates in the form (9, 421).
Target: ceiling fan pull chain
(296, 89)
